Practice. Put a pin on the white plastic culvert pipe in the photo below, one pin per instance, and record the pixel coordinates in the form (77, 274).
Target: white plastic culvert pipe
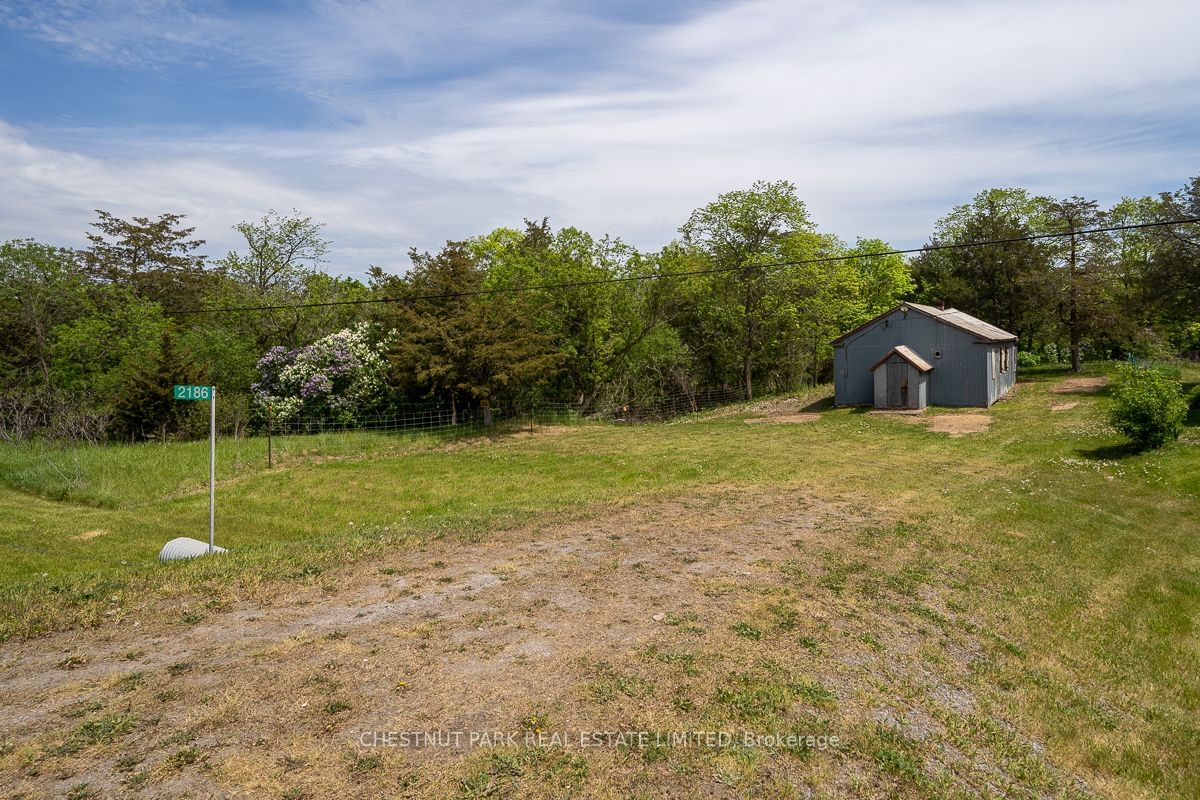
(186, 547)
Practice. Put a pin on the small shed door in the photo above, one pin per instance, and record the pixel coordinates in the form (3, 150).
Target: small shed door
(897, 382)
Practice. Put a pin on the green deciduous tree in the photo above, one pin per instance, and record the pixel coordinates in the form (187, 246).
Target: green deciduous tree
(115, 333)
(600, 311)
(1083, 280)
(41, 287)
(882, 280)
(281, 267)
(740, 233)
(157, 258)
(281, 251)
(833, 290)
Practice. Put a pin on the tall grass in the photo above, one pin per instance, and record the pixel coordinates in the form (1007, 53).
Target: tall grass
(119, 476)
(127, 475)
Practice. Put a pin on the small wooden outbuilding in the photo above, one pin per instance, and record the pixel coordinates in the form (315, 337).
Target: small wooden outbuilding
(901, 379)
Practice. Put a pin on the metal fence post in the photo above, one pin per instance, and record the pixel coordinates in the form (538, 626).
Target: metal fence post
(270, 422)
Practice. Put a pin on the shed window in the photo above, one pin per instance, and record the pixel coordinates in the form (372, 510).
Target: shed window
(1003, 359)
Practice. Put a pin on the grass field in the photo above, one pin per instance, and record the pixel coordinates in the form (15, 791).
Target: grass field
(1008, 613)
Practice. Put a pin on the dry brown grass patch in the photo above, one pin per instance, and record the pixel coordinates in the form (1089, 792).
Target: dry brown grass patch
(83, 537)
(959, 424)
(1081, 385)
(954, 424)
(785, 418)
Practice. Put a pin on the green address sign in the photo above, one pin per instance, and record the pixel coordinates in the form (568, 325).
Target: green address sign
(187, 392)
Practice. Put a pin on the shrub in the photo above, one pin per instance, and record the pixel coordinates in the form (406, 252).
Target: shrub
(1053, 353)
(1151, 345)
(338, 377)
(1148, 406)
(1185, 337)
(1025, 358)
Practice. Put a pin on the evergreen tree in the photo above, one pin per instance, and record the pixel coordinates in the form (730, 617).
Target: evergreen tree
(145, 407)
(1173, 279)
(1002, 283)
(455, 343)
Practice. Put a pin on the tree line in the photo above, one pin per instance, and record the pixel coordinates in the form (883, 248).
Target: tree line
(748, 295)
(1134, 289)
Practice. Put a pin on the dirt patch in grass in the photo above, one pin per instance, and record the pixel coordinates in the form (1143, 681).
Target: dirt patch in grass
(1063, 406)
(785, 419)
(959, 424)
(738, 609)
(540, 431)
(956, 425)
(92, 534)
(1081, 385)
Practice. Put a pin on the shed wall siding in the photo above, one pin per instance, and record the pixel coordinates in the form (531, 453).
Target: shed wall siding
(1000, 381)
(1009, 379)
(993, 373)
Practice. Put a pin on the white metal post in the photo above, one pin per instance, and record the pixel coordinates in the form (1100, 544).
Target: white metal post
(212, 469)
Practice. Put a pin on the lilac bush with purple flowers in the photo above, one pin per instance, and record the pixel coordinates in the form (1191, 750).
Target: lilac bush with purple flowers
(338, 377)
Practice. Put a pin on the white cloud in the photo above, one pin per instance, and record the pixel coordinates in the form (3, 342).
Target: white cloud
(883, 114)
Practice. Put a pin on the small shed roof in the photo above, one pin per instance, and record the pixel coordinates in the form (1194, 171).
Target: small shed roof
(908, 355)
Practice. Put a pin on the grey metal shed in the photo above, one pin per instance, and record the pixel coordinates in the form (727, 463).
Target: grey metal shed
(971, 362)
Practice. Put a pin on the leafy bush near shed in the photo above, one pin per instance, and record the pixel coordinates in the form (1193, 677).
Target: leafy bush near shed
(1148, 406)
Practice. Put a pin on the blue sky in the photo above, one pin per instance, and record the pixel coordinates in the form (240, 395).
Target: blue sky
(402, 124)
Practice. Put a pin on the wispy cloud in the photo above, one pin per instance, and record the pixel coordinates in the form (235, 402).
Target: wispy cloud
(444, 120)
(127, 33)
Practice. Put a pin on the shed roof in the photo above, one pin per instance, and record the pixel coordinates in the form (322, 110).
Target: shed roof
(951, 316)
(908, 355)
(963, 320)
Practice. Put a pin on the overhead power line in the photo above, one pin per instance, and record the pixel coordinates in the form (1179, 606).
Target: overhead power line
(686, 273)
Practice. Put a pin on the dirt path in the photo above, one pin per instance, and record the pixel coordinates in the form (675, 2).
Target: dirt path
(571, 625)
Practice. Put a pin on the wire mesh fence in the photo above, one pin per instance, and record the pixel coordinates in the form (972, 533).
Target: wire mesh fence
(290, 439)
(408, 429)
